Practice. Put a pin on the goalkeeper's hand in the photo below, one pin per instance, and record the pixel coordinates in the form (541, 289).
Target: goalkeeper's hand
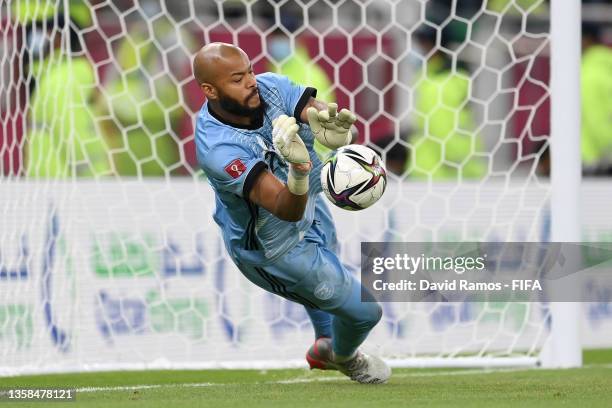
(330, 128)
(289, 144)
(287, 141)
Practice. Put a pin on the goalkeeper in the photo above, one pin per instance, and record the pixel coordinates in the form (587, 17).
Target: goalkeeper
(254, 140)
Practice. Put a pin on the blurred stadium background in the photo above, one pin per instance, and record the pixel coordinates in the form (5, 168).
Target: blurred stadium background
(109, 258)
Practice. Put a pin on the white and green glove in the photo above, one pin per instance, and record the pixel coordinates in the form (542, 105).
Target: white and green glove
(330, 128)
(287, 141)
(291, 146)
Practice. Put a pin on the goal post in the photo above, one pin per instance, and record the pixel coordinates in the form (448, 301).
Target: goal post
(565, 349)
(110, 258)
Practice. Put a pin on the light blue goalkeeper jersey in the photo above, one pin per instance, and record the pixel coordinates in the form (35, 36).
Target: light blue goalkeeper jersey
(233, 155)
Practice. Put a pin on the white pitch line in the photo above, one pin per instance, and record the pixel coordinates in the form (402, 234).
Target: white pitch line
(146, 387)
(288, 381)
(306, 380)
(124, 388)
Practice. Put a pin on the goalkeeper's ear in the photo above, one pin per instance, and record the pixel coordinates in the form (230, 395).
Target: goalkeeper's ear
(209, 91)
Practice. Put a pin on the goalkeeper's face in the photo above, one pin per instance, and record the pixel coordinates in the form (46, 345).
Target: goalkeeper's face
(248, 107)
(237, 91)
(226, 76)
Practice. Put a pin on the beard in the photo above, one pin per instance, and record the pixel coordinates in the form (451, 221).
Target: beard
(235, 107)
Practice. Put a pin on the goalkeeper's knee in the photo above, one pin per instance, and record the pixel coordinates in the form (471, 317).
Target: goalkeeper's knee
(370, 316)
(361, 315)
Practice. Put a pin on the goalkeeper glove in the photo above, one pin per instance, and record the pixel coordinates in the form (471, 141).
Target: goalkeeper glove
(330, 128)
(289, 144)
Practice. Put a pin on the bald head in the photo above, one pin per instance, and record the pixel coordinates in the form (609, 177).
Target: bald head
(214, 59)
(226, 77)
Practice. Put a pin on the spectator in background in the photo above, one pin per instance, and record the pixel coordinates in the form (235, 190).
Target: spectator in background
(293, 60)
(596, 87)
(61, 137)
(444, 139)
(143, 106)
(35, 18)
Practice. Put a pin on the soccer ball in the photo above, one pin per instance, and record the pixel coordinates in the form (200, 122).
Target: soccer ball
(354, 178)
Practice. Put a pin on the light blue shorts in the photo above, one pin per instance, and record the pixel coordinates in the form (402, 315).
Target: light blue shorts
(310, 274)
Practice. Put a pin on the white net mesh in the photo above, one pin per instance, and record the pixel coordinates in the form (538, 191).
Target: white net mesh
(108, 253)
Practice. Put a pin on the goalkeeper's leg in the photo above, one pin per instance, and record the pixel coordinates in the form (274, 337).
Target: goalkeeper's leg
(336, 292)
(348, 328)
(321, 322)
(352, 323)
(312, 275)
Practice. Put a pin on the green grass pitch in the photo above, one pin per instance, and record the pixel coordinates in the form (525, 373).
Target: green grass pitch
(590, 386)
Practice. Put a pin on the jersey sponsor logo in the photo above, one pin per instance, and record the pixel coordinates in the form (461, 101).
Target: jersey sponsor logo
(235, 168)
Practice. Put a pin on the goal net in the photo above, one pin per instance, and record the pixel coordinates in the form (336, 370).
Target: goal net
(109, 257)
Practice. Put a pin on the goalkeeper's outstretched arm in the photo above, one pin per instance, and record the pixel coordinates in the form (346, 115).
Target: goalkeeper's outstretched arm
(270, 193)
(285, 201)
